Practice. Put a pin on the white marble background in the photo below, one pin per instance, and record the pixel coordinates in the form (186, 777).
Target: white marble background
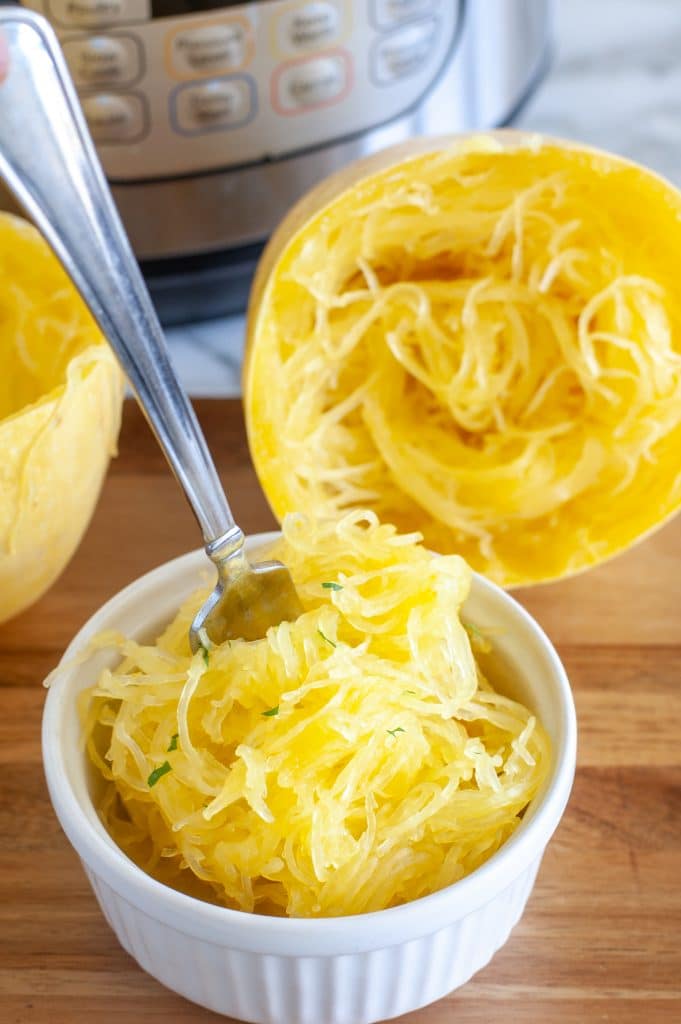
(615, 82)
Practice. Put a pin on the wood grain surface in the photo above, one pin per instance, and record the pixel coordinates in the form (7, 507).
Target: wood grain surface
(601, 937)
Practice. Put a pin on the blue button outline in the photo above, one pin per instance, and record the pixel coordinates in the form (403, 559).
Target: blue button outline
(183, 86)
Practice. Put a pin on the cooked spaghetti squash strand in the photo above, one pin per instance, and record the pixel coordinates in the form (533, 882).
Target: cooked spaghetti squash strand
(348, 761)
(483, 343)
(35, 350)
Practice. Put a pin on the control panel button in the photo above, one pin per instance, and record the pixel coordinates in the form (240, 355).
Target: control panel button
(390, 13)
(210, 49)
(115, 117)
(96, 13)
(304, 85)
(311, 26)
(103, 60)
(213, 105)
(404, 52)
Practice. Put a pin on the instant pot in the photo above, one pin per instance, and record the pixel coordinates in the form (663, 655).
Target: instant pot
(211, 117)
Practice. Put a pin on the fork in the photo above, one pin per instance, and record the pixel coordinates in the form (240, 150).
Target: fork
(49, 162)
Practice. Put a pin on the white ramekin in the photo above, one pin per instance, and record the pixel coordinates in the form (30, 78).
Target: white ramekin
(350, 970)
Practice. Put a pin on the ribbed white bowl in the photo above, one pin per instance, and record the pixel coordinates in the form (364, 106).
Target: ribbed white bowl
(351, 970)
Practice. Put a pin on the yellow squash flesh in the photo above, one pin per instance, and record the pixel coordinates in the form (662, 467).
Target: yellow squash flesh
(481, 341)
(351, 760)
(60, 402)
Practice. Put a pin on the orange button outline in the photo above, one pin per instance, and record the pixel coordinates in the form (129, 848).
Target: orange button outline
(182, 76)
(345, 56)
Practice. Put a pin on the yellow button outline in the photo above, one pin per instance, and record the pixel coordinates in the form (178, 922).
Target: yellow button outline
(296, 5)
(84, 26)
(189, 76)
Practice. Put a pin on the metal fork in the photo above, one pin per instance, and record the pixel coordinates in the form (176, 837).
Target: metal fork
(49, 162)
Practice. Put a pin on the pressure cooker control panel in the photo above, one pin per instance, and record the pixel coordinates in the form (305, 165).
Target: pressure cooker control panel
(236, 84)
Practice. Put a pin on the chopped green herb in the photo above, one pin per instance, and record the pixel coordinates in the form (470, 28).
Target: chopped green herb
(271, 712)
(412, 693)
(206, 655)
(393, 732)
(470, 628)
(332, 586)
(173, 742)
(478, 637)
(158, 773)
(324, 637)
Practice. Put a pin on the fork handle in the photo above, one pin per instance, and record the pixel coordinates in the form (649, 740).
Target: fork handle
(48, 160)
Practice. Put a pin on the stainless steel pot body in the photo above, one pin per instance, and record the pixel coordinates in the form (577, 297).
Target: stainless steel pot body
(211, 119)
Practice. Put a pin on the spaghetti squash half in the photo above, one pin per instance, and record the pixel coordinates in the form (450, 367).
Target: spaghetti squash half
(61, 393)
(482, 342)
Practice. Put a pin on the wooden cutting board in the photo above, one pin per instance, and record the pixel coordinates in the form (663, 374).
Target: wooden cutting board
(601, 937)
